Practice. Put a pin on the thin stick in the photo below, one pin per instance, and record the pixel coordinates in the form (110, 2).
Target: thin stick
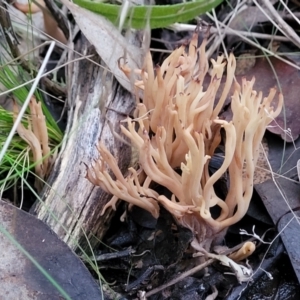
(282, 25)
(189, 27)
(294, 17)
(24, 107)
(256, 45)
(181, 277)
(45, 74)
(220, 36)
(12, 42)
(47, 81)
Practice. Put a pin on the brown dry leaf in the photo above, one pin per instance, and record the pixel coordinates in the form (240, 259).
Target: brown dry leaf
(108, 41)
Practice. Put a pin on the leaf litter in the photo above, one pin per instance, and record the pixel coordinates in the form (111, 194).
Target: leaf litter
(260, 68)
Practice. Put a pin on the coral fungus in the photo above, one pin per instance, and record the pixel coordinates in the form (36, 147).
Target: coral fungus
(179, 128)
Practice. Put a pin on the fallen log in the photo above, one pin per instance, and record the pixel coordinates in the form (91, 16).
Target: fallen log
(70, 204)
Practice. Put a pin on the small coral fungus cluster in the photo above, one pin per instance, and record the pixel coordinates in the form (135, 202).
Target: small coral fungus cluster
(36, 136)
(179, 129)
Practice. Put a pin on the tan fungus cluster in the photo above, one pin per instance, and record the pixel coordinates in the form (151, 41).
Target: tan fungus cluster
(179, 128)
(36, 136)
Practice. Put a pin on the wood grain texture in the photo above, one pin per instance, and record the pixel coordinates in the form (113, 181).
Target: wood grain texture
(71, 204)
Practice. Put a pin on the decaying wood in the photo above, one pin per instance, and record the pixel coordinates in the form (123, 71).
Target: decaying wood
(71, 204)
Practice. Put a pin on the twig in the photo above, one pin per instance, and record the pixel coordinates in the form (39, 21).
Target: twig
(54, 87)
(195, 269)
(258, 35)
(181, 277)
(290, 13)
(61, 90)
(119, 254)
(143, 277)
(255, 44)
(282, 25)
(45, 74)
(222, 33)
(218, 40)
(24, 107)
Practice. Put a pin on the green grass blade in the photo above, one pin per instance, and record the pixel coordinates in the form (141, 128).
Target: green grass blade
(158, 15)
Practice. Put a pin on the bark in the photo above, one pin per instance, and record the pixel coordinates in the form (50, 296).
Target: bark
(71, 205)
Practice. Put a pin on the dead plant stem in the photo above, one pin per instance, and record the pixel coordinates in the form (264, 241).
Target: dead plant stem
(282, 25)
(181, 277)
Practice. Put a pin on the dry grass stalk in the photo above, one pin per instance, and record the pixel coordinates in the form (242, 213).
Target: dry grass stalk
(179, 128)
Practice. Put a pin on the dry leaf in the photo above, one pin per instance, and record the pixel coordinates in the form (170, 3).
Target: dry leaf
(108, 41)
